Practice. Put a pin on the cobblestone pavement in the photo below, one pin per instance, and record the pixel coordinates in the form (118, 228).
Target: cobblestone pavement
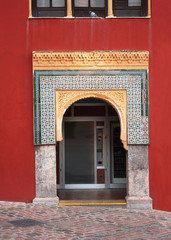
(34, 221)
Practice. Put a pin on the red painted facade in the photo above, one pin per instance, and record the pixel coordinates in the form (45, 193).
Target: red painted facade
(20, 36)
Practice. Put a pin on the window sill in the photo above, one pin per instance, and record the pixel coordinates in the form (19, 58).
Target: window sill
(112, 17)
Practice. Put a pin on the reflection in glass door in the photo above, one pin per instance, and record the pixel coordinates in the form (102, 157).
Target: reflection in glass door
(79, 152)
(118, 158)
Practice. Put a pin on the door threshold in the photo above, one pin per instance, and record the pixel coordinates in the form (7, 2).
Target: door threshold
(92, 203)
(84, 186)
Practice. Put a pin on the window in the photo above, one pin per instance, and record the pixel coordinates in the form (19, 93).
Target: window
(90, 8)
(49, 8)
(130, 8)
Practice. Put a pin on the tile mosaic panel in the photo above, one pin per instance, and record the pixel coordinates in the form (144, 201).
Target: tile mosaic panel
(134, 81)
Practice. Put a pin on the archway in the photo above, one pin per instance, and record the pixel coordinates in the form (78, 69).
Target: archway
(91, 153)
(63, 74)
(117, 98)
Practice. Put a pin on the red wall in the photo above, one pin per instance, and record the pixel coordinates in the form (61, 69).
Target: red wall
(20, 36)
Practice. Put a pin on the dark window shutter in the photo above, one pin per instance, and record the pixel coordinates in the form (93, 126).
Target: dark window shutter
(48, 11)
(121, 9)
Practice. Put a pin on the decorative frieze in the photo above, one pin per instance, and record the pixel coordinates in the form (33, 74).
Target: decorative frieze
(76, 60)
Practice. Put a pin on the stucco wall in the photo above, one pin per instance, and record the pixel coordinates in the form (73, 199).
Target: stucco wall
(20, 36)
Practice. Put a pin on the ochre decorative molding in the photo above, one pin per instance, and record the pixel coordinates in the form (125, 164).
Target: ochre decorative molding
(149, 8)
(30, 8)
(91, 60)
(117, 98)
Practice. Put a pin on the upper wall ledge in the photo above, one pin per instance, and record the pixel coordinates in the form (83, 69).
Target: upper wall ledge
(95, 60)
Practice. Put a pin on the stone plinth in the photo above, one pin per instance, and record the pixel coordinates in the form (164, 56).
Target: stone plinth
(138, 178)
(139, 202)
(45, 157)
(54, 200)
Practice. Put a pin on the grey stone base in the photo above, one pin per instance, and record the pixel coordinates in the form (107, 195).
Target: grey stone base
(46, 190)
(45, 157)
(139, 203)
(54, 200)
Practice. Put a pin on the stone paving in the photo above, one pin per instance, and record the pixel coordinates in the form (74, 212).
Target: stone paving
(35, 221)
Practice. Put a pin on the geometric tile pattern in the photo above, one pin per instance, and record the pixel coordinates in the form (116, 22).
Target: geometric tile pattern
(144, 126)
(134, 81)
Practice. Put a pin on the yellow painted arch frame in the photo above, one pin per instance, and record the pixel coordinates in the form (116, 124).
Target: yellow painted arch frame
(117, 98)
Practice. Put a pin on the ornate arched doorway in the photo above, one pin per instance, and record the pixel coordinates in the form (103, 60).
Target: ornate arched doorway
(92, 154)
(121, 79)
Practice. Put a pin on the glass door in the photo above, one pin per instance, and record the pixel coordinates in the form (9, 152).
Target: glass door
(79, 152)
(117, 159)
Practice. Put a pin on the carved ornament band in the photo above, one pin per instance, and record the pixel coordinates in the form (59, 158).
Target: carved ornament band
(73, 60)
(117, 98)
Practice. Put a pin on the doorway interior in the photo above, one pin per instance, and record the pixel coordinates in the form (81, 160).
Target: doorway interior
(91, 160)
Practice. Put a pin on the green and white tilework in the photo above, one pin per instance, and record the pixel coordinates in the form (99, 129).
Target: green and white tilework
(134, 81)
